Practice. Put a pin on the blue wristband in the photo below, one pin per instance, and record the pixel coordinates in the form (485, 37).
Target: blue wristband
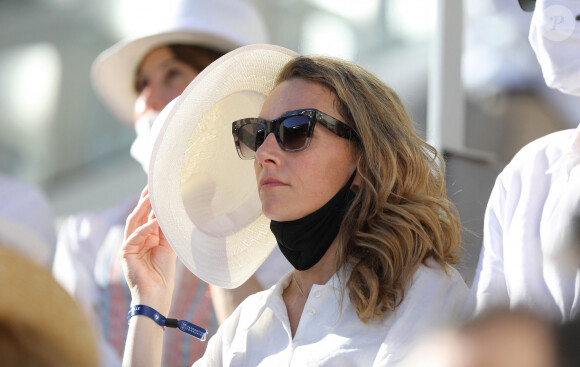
(187, 327)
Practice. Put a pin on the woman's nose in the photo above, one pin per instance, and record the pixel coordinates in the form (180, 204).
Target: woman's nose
(154, 98)
(269, 150)
(149, 100)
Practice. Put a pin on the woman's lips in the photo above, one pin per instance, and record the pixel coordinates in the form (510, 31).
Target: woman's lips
(270, 182)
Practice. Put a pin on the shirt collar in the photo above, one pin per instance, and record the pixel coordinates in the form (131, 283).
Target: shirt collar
(273, 300)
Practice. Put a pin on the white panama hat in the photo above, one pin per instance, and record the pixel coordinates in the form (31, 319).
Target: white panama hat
(222, 25)
(204, 196)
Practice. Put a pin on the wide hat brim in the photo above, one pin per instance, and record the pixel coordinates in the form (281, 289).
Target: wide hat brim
(221, 25)
(113, 72)
(204, 196)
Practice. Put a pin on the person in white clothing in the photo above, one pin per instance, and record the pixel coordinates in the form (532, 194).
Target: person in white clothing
(523, 261)
(27, 220)
(136, 78)
(354, 199)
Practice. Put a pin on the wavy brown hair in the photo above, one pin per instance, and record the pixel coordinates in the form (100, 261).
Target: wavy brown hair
(401, 216)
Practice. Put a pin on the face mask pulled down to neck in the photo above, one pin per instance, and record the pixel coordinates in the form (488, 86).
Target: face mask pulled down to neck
(305, 241)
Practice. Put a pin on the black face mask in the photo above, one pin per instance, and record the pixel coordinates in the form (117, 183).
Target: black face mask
(304, 241)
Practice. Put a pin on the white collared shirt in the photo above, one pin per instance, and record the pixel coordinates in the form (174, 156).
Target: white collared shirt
(519, 263)
(258, 332)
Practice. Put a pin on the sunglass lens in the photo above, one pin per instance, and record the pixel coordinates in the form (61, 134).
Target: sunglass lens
(294, 132)
(250, 137)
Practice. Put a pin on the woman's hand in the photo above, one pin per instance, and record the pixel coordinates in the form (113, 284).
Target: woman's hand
(148, 260)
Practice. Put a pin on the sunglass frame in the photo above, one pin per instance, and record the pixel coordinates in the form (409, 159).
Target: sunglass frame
(336, 126)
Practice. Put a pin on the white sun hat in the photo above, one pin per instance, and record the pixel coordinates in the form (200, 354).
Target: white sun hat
(204, 196)
(222, 25)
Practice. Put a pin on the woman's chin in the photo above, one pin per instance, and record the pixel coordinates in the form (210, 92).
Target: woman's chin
(276, 212)
(273, 216)
(281, 215)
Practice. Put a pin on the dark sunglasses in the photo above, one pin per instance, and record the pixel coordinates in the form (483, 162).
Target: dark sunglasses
(527, 5)
(293, 131)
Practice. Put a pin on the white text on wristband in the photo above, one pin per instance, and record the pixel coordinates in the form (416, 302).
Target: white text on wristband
(187, 327)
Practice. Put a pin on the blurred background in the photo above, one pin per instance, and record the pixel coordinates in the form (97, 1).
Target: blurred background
(56, 134)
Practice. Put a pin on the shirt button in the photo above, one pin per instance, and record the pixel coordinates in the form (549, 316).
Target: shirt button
(317, 294)
(311, 311)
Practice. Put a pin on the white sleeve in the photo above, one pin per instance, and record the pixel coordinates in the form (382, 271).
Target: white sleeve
(555, 38)
(77, 247)
(79, 239)
(26, 210)
(489, 286)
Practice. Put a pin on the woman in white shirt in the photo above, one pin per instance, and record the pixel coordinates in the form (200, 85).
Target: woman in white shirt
(358, 205)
